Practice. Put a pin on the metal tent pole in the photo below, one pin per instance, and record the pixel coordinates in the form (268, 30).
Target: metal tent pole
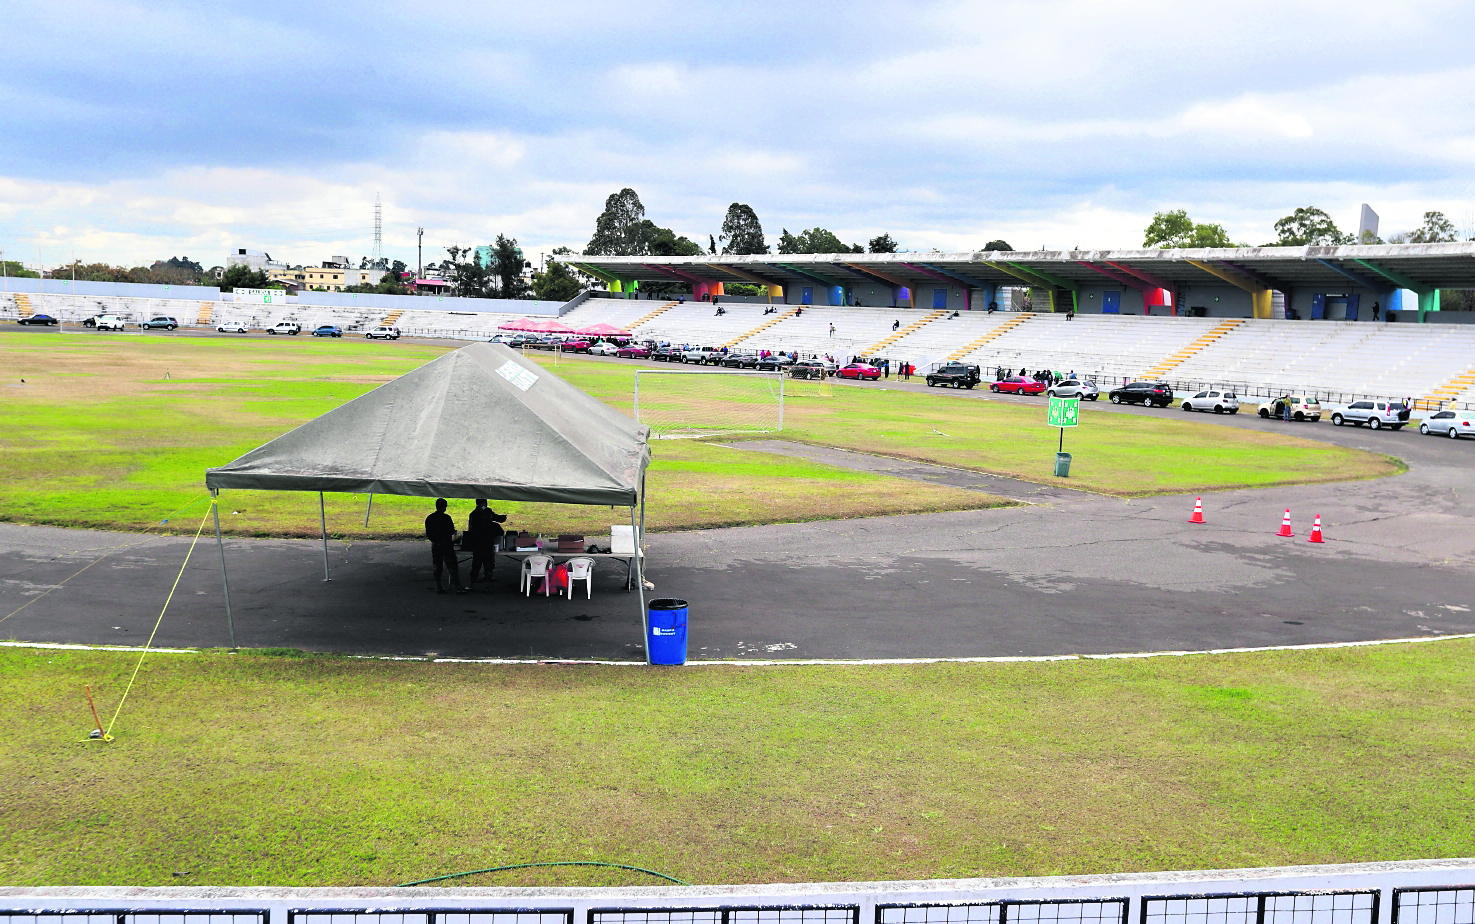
(642, 508)
(640, 584)
(369, 509)
(323, 519)
(224, 580)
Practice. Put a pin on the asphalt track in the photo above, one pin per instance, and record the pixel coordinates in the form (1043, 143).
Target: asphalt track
(1067, 573)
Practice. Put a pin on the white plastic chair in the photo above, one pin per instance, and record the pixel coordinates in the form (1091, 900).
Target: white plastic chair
(534, 566)
(581, 569)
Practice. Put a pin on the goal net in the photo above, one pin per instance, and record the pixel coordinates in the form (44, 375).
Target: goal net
(675, 403)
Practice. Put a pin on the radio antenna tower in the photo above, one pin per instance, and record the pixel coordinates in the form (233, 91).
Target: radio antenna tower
(377, 260)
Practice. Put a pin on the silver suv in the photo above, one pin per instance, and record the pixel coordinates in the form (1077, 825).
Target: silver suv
(1376, 414)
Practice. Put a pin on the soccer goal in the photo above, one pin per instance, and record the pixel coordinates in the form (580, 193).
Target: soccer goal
(677, 403)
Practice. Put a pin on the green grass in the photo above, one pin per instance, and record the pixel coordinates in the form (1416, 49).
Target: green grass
(99, 437)
(242, 769)
(1121, 454)
(115, 433)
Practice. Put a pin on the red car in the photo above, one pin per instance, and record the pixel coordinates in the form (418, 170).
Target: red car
(1018, 385)
(859, 371)
(576, 346)
(634, 351)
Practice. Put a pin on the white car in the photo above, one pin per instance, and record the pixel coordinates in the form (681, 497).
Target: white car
(285, 327)
(1075, 388)
(604, 349)
(383, 332)
(1453, 424)
(232, 327)
(1220, 402)
(110, 322)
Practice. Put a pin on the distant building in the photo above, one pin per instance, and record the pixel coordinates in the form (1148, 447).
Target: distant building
(255, 260)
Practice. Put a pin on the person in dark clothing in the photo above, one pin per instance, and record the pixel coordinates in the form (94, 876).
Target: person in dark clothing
(895, 325)
(440, 529)
(483, 530)
(1376, 309)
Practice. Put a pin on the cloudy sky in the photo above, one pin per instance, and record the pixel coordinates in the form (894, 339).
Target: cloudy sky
(133, 131)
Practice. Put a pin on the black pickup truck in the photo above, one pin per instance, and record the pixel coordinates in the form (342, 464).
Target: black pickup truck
(957, 375)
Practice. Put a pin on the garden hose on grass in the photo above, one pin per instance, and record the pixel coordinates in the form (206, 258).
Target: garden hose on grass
(496, 869)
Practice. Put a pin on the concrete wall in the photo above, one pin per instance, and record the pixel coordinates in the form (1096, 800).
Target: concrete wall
(119, 289)
(1364, 893)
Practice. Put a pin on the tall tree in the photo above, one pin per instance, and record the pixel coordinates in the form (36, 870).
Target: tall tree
(815, 240)
(507, 266)
(741, 231)
(1176, 229)
(15, 269)
(1309, 226)
(617, 230)
(555, 283)
(999, 245)
(1436, 230)
(469, 278)
(242, 276)
(663, 242)
(882, 244)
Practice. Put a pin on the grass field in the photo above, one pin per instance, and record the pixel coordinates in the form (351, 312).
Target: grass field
(115, 433)
(247, 769)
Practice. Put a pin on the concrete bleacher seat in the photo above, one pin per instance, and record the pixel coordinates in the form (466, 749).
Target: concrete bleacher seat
(935, 341)
(616, 312)
(1099, 345)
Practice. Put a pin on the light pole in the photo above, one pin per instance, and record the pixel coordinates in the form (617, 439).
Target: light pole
(419, 254)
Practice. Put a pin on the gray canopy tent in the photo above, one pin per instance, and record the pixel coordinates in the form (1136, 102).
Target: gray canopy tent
(478, 422)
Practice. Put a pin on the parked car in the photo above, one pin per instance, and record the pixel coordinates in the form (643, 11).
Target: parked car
(1376, 414)
(861, 371)
(1017, 385)
(1216, 400)
(42, 320)
(740, 361)
(1074, 388)
(328, 330)
(232, 327)
(1302, 407)
(383, 332)
(775, 362)
(1146, 394)
(809, 369)
(604, 349)
(1453, 424)
(575, 345)
(958, 375)
(108, 322)
(633, 351)
(665, 354)
(160, 321)
(285, 327)
(705, 356)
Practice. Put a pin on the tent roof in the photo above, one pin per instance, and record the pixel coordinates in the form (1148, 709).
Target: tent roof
(479, 422)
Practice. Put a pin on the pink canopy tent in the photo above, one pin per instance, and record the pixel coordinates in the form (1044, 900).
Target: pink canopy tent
(602, 330)
(544, 326)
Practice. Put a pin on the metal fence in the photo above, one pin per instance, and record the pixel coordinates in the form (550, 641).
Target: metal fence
(1067, 911)
(1434, 906)
(432, 916)
(1263, 908)
(135, 916)
(794, 914)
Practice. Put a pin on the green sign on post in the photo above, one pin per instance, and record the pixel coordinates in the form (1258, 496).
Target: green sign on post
(1065, 412)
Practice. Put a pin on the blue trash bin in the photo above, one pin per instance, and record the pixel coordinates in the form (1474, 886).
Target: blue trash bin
(667, 620)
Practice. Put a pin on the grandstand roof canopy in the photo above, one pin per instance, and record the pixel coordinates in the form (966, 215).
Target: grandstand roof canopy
(1383, 266)
(478, 422)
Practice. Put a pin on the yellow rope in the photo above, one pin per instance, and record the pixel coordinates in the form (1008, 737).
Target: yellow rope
(108, 734)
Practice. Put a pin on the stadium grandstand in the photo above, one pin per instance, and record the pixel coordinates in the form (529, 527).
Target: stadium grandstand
(1335, 322)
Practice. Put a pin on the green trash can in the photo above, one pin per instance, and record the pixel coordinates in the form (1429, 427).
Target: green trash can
(1062, 465)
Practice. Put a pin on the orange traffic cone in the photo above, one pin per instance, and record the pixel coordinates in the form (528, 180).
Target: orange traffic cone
(1285, 525)
(1316, 530)
(1198, 511)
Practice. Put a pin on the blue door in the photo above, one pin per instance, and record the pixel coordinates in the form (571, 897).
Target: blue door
(1318, 306)
(939, 298)
(806, 295)
(1111, 303)
(1352, 301)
